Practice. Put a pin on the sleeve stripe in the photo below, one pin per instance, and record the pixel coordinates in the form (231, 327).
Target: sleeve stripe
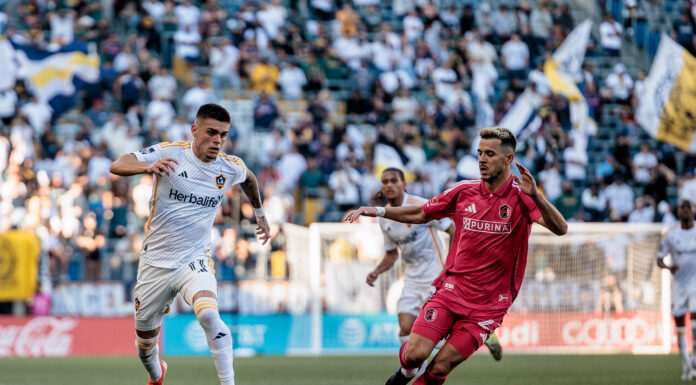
(152, 212)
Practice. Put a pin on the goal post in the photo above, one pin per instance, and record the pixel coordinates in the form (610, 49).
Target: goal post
(595, 290)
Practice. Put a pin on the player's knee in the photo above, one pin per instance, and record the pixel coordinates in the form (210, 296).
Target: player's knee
(440, 368)
(206, 311)
(415, 354)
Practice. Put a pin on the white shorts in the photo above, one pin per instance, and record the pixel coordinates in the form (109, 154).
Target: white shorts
(682, 301)
(413, 297)
(156, 288)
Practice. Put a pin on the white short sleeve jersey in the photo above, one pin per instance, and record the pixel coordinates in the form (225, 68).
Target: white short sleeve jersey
(421, 248)
(681, 244)
(183, 204)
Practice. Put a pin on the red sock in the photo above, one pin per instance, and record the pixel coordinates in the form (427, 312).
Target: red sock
(430, 379)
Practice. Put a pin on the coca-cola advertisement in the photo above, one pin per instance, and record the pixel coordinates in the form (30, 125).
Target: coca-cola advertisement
(65, 336)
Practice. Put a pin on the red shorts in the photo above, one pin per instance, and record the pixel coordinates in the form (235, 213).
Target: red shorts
(437, 320)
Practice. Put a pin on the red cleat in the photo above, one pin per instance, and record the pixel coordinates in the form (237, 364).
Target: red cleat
(161, 379)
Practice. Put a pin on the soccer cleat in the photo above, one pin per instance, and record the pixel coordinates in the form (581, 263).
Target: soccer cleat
(163, 364)
(398, 378)
(493, 345)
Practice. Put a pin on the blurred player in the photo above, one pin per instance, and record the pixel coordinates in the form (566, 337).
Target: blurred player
(422, 251)
(191, 180)
(680, 243)
(493, 218)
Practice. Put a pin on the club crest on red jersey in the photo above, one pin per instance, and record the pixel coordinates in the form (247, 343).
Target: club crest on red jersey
(220, 181)
(504, 212)
(430, 315)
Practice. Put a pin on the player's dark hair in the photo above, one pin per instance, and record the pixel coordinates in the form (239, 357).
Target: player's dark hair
(396, 170)
(213, 111)
(506, 137)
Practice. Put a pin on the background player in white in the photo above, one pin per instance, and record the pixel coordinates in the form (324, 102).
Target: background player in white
(191, 179)
(680, 243)
(422, 251)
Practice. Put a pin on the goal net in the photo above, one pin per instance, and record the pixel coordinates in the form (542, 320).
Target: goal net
(596, 289)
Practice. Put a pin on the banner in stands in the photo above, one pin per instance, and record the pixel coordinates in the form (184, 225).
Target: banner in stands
(65, 336)
(19, 265)
(667, 108)
(91, 299)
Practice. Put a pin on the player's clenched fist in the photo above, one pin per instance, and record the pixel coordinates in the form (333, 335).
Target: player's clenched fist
(162, 167)
(371, 278)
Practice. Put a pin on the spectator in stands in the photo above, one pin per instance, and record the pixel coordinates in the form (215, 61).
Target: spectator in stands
(515, 56)
(619, 197)
(38, 114)
(444, 77)
(264, 76)
(504, 23)
(687, 185)
(594, 203)
(188, 16)
(568, 203)
(550, 178)
(644, 211)
(224, 63)
(62, 23)
(187, 41)
(683, 31)
(8, 105)
(290, 167)
(541, 22)
(610, 35)
(619, 84)
(265, 112)
(348, 20)
(467, 20)
(413, 26)
(197, 96)
(345, 185)
(576, 160)
(292, 79)
(564, 18)
(644, 162)
(484, 22)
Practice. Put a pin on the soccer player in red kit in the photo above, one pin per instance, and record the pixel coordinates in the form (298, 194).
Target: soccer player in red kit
(493, 218)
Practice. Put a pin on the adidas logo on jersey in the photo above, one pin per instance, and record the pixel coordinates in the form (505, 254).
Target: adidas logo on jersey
(471, 208)
(184, 174)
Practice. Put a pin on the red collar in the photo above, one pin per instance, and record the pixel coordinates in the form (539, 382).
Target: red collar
(502, 191)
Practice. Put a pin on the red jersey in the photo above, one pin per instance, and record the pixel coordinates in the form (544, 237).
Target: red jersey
(488, 255)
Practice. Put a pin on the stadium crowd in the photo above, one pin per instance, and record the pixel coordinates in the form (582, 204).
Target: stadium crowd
(329, 82)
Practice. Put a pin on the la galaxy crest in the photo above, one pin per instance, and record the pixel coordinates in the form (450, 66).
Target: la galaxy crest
(220, 181)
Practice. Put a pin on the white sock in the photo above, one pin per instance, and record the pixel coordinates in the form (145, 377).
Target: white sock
(148, 351)
(683, 351)
(218, 336)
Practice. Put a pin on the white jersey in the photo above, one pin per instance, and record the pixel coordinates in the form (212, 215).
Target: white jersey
(681, 244)
(421, 248)
(184, 204)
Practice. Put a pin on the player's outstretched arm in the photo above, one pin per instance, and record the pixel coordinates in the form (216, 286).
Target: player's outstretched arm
(250, 186)
(551, 218)
(403, 214)
(128, 165)
(385, 264)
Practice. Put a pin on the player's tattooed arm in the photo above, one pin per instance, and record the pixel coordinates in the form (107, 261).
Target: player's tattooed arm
(251, 188)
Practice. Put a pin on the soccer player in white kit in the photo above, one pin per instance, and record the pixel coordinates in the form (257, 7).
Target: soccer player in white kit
(191, 178)
(680, 243)
(422, 252)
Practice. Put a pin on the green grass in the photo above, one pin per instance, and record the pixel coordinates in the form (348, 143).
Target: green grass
(339, 370)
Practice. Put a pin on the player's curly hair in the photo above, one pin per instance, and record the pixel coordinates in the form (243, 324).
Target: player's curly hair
(213, 111)
(507, 138)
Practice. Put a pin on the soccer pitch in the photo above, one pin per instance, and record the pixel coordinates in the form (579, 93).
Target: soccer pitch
(348, 370)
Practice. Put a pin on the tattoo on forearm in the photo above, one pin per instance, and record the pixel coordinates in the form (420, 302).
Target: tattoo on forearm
(251, 188)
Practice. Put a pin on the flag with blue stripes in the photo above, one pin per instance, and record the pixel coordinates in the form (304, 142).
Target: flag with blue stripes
(55, 77)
